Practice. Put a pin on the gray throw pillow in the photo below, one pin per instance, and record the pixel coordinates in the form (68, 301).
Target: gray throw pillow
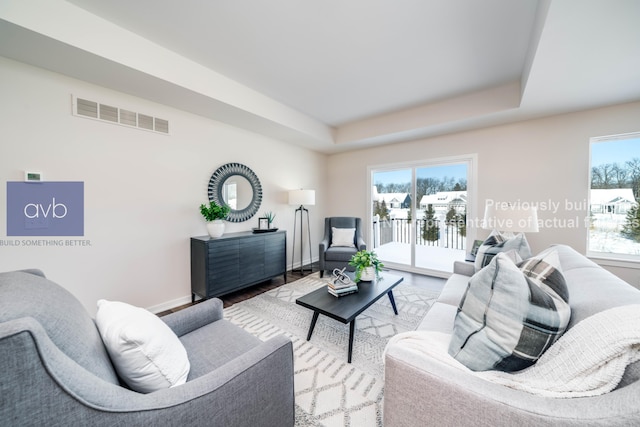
(510, 314)
(496, 243)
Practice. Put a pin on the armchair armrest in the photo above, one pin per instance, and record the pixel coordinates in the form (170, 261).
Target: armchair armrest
(256, 388)
(322, 247)
(360, 244)
(191, 318)
(464, 268)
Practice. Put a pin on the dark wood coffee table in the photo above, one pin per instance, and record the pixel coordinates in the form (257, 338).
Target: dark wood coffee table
(345, 309)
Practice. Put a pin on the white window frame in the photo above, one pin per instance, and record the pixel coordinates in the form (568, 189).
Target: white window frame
(608, 258)
(470, 159)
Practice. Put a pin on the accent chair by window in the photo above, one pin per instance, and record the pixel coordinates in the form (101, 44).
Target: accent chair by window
(342, 238)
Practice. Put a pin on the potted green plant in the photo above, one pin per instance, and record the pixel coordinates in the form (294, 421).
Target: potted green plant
(270, 217)
(367, 265)
(214, 214)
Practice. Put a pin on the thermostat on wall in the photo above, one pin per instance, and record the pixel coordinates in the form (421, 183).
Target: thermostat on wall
(30, 176)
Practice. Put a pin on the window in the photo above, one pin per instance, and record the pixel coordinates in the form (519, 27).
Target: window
(419, 212)
(614, 214)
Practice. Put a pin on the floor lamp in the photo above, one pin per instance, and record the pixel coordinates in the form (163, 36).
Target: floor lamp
(301, 198)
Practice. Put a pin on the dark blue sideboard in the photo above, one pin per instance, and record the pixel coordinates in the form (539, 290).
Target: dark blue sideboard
(236, 260)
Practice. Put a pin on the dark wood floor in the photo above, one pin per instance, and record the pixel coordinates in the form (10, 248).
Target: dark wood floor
(414, 279)
(251, 291)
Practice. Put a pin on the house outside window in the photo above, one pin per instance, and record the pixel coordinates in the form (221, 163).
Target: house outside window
(614, 192)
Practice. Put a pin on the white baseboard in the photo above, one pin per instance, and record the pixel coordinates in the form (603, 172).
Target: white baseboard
(170, 304)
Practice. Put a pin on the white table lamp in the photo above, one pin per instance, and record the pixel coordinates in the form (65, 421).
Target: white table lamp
(511, 218)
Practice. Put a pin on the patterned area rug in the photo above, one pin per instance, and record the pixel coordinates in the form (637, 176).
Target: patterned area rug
(328, 390)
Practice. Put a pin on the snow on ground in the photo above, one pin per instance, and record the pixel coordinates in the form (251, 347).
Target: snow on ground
(429, 257)
(605, 236)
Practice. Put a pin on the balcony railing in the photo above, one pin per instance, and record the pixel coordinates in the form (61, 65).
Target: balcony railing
(399, 230)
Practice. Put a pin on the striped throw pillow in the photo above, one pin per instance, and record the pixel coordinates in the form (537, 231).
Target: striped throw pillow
(510, 314)
(496, 243)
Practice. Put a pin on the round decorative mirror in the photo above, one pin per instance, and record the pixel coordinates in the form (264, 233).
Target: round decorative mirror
(236, 185)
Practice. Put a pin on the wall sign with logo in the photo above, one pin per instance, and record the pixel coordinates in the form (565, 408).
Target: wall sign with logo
(45, 208)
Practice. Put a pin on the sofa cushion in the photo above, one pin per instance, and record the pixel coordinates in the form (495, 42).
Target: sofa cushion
(231, 341)
(509, 315)
(342, 237)
(439, 318)
(66, 321)
(496, 243)
(146, 352)
(339, 253)
(453, 292)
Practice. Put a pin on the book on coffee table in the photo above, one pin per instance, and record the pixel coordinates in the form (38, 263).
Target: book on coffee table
(339, 288)
(345, 290)
(341, 284)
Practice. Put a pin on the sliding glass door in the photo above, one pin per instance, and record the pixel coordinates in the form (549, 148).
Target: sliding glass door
(419, 214)
(391, 220)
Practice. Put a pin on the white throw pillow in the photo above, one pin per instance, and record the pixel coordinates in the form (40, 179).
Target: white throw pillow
(342, 237)
(146, 353)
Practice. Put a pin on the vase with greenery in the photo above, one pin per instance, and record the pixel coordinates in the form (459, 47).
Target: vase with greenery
(367, 265)
(214, 214)
(270, 217)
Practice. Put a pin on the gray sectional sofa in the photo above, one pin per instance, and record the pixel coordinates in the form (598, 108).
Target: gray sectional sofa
(424, 391)
(55, 371)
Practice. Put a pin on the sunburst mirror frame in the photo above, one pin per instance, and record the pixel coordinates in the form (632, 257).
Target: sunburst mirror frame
(216, 185)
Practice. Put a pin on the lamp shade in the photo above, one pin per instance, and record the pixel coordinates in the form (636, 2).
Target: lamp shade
(302, 197)
(511, 218)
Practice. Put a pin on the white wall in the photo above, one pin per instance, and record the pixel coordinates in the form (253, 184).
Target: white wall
(142, 189)
(534, 161)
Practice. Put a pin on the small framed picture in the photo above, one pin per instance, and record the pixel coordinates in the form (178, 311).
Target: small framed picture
(263, 223)
(476, 245)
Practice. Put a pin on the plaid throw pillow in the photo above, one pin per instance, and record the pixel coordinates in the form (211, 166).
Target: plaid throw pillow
(510, 314)
(496, 243)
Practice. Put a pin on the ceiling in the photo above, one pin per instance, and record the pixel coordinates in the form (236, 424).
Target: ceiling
(336, 75)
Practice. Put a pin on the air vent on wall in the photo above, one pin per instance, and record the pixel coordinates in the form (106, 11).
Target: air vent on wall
(107, 113)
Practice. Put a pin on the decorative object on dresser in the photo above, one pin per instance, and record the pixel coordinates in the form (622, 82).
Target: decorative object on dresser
(236, 185)
(270, 216)
(265, 223)
(367, 265)
(215, 214)
(235, 261)
(300, 198)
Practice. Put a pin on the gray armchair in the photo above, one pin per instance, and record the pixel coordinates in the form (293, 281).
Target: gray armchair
(55, 370)
(338, 256)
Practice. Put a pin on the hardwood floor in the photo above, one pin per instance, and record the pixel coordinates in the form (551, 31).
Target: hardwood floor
(427, 282)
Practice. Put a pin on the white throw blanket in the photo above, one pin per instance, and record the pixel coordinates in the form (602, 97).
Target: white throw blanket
(588, 360)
